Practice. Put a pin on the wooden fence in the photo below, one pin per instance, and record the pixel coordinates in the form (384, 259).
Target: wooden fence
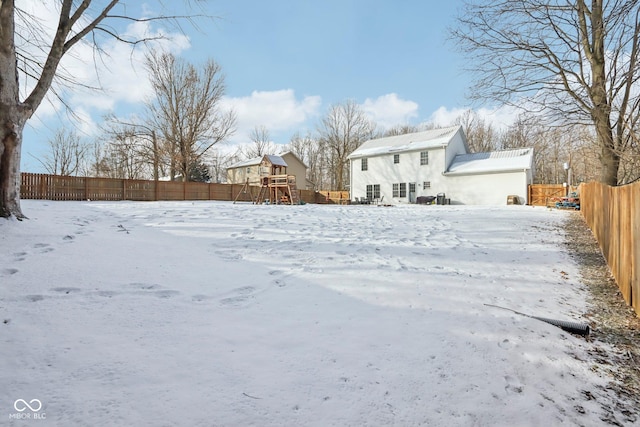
(339, 197)
(545, 194)
(613, 214)
(54, 187)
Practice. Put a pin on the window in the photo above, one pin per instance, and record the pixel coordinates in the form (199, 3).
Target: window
(412, 187)
(426, 184)
(373, 191)
(396, 158)
(364, 164)
(424, 158)
(400, 190)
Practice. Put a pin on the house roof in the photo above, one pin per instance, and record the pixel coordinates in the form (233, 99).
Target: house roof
(433, 138)
(274, 160)
(296, 157)
(494, 161)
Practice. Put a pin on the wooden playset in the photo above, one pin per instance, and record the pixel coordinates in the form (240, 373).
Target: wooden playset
(277, 187)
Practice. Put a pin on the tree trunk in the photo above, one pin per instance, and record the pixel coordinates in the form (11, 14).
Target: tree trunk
(340, 176)
(601, 111)
(156, 156)
(609, 157)
(11, 126)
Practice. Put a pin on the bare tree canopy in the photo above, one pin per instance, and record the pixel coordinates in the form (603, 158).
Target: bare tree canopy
(574, 62)
(480, 135)
(309, 149)
(186, 109)
(343, 129)
(66, 155)
(88, 20)
(261, 143)
(133, 139)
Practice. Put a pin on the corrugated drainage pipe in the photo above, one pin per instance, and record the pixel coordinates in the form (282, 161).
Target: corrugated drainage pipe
(572, 327)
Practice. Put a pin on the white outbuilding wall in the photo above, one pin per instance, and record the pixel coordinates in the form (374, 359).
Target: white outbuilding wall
(488, 189)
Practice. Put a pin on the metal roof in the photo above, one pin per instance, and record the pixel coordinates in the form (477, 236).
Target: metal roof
(255, 161)
(433, 138)
(276, 160)
(494, 161)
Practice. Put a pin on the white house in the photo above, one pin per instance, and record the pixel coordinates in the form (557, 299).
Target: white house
(399, 169)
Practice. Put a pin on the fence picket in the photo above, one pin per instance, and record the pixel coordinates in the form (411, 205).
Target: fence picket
(613, 215)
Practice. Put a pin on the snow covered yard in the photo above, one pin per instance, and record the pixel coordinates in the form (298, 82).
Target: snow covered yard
(215, 314)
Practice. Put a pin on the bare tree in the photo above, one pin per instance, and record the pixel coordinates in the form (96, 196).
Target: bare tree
(77, 21)
(95, 165)
(187, 109)
(343, 129)
(481, 137)
(218, 162)
(575, 62)
(66, 155)
(309, 150)
(261, 143)
(125, 155)
(400, 130)
(140, 141)
(553, 147)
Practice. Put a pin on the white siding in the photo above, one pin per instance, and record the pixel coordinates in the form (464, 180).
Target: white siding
(456, 146)
(487, 189)
(381, 170)
(469, 189)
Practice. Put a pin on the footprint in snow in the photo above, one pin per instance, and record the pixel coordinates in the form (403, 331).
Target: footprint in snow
(43, 247)
(8, 272)
(20, 256)
(65, 290)
(201, 298)
(512, 385)
(143, 286)
(229, 255)
(505, 344)
(165, 293)
(239, 296)
(107, 294)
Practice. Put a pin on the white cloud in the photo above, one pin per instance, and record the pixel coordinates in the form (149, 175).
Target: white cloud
(119, 71)
(276, 110)
(500, 118)
(389, 110)
(443, 117)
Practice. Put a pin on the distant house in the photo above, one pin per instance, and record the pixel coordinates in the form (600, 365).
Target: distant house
(297, 167)
(399, 169)
(256, 168)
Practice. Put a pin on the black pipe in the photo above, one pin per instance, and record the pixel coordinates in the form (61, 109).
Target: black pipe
(572, 327)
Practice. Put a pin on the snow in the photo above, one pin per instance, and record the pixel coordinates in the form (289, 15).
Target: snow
(221, 314)
(495, 161)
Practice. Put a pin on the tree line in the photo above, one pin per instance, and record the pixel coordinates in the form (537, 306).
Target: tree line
(141, 151)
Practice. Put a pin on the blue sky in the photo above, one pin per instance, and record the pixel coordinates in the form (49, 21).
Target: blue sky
(286, 62)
